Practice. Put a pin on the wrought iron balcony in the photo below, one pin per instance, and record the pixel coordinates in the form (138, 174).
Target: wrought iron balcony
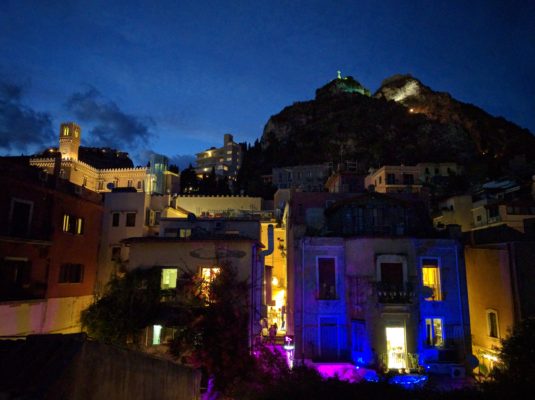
(394, 293)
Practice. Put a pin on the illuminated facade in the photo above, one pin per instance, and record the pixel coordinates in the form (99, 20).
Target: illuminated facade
(65, 164)
(500, 278)
(203, 247)
(225, 161)
(48, 252)
(370, 282)
(406, 178)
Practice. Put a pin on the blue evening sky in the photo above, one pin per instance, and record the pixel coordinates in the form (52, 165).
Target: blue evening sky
(174, 76)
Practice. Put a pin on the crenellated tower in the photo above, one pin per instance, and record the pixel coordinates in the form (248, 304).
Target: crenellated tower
(69, 140)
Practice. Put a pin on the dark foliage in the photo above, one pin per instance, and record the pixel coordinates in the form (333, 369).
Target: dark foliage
(130, 304)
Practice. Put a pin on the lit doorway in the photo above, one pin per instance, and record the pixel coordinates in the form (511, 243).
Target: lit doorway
(396, 348)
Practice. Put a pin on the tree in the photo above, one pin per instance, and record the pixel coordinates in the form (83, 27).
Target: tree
(130, 304)
(517, 356)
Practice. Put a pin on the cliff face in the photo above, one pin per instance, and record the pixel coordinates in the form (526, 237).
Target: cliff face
(403, 122)
(493, 136)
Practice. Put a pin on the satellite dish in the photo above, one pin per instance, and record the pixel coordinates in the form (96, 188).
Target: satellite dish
(110, 186)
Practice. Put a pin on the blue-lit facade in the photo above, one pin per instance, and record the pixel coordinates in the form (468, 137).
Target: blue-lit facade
(392, 301)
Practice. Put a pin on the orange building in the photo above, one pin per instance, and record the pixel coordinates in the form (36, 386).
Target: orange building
(49, 235)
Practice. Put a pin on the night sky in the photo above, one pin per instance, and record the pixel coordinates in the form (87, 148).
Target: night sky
(173, 76)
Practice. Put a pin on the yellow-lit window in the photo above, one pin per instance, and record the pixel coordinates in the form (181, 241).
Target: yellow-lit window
(208, 275)
(431, 278)
(169, 276)
(79, 226)
(65, 131)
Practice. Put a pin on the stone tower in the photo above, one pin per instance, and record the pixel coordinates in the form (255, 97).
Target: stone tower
(69, 140)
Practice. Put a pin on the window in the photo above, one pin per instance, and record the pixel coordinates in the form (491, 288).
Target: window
(14, 278)
(184, 233)
(100, 185)
(169, 276)
(433, 332)
(130, 219)
(71, 273)
(115, 219)
(115, 253)
(139, 184)
(391, 275)
(431, 278)
(130, 183)
(380, 180)
(390, 179)
(73, 224)
(20, 217)
(208, 274)
(326, 279)
(84, 182)
(492, 324)
(65, 131)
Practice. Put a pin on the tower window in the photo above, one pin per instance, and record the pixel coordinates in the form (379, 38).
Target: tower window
(115, 219)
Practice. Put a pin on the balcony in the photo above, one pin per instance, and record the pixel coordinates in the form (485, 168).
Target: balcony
(388, 293)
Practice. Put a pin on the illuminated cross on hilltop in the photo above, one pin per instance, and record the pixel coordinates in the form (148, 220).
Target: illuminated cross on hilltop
(339, 74)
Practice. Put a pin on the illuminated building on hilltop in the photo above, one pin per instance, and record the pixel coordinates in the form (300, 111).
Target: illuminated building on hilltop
(225, 161)
(103, 168)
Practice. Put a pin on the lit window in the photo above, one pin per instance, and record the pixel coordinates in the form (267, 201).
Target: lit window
(169, 276)
(492, 324)
(431, 278)
(326, 279)
(72, 224)
(156, 335)
(139, 184)
(130, 183)
(433, 332)
(184, 233)
(208, 275)
(130, 219)
(65, 131)
(71, 273)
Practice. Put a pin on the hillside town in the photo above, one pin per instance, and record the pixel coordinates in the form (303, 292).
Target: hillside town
(395, 270)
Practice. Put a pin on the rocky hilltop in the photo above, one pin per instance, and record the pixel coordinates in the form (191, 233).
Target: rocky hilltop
(403, 122)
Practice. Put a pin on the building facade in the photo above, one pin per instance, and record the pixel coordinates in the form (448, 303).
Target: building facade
(49, 240)
(65, 163)
(225, 161)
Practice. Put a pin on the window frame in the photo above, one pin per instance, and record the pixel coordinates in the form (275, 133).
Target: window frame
(488, 313)
(128, 222)
(69, 275)
(318, 287)
(429, 340)
(30, 214)
(438, 260)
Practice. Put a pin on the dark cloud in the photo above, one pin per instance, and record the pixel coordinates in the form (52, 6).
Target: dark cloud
(111, 127)
(21, 127)
(183, 161)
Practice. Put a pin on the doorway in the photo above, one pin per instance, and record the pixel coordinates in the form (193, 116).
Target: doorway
(396, 348)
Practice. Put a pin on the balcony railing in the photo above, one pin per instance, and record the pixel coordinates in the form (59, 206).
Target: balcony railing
(394, 293)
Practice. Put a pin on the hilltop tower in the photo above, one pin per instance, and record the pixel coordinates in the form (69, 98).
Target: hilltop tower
(69, 140)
